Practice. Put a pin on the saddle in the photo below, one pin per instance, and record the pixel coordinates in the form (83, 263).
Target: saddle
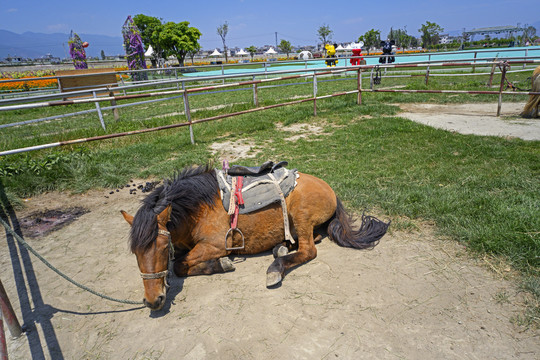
(265, 168)
(247, 189)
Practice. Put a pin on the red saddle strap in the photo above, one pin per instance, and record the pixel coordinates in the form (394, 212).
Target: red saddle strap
(239, 200)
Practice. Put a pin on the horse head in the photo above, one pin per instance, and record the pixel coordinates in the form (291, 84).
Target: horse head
(153, 258)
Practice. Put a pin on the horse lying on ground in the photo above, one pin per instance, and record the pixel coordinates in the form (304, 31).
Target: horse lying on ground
(184, 216)
(531, 108)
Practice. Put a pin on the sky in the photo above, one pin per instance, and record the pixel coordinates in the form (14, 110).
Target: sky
(253, 22)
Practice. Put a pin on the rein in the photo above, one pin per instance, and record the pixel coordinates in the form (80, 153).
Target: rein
(164, 273)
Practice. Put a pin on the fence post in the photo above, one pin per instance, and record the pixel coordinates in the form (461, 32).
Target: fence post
(115, 110)
(314, 94)
(176, 76)
(492, 72)
(223, 73)
(8, 313)
(255, 93)
(98, 107)
(526, 55)
(371, 79)
(474, 63)
(188, 114)
(427, 69)
(503, 75)
(359, 86)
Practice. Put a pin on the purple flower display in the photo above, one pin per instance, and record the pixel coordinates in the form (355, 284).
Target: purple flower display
(134, 49)
(76, 50)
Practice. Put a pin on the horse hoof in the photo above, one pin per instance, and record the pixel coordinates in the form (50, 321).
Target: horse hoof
(273, 279)
(280, 251)
(226, 264)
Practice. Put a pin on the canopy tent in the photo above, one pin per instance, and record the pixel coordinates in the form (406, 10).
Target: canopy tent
(270, 51)
(216, 53)
(340, 48)
(150, 51)
(348, 47)
(241, 52)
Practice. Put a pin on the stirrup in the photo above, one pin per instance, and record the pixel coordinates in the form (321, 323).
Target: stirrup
(232, 235)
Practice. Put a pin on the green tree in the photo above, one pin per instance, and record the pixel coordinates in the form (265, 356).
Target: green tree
(285, 46)
(222, 31)
(177, 39)
(372, 38)
(150, 28)
(325, 34)
(102, 55)
(401, 37)
(251, 50)
(430, 34)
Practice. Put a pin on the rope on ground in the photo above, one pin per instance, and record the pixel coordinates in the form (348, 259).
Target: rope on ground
(50, 266)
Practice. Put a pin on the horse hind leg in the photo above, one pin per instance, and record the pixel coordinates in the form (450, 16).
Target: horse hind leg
(306, 252)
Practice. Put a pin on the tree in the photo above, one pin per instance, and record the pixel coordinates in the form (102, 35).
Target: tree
(529, 34)
(222, 31)
(251, 50)
(401, 37)
(178, 39)
(150, 27)
(285, 46)
(325, 34)
(102, 55)
(372, 38)
(192, 53)
(430, 33)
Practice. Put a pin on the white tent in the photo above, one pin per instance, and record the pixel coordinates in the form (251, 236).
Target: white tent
(270, 51)
(215, 53)
(340, 48)
(348, 47)
(241, 52)
(150, 51)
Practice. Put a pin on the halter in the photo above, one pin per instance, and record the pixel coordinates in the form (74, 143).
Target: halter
(164, 273)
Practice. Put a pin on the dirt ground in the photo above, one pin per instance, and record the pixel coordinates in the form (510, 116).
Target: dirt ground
(415, 296)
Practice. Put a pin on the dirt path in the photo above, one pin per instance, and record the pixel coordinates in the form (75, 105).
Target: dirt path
(478, 119)
(415, 296)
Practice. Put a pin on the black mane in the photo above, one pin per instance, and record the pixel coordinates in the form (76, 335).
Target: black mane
(187, 191)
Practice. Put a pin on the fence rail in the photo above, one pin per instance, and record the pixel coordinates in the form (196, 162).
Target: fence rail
(185, 92)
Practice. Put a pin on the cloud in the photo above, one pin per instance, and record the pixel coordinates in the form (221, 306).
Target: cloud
(353, 21)
(57, 27)
(12, 10)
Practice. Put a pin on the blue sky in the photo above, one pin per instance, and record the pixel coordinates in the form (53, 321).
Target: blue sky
(254, 22)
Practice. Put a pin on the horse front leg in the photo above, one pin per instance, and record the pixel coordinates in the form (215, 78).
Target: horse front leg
(203, 259)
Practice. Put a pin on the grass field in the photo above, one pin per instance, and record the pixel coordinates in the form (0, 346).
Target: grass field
(480, 191)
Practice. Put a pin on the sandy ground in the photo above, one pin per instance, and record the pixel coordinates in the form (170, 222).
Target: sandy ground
(415, 296)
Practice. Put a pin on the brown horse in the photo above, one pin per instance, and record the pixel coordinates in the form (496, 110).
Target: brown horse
(185, 216)
(531, 108)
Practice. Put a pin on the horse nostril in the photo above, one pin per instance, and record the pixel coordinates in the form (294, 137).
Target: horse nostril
(161, 299)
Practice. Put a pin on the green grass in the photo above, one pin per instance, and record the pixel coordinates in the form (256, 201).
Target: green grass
(480, 191)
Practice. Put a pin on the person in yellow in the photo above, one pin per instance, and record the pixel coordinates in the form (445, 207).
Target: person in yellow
(331, 59)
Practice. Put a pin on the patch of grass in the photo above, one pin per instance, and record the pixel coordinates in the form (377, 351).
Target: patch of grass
(481, 191)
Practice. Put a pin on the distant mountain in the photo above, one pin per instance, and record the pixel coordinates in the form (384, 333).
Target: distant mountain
(35, 45)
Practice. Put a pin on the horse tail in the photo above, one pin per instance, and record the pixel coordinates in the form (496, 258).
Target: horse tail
(367, 236)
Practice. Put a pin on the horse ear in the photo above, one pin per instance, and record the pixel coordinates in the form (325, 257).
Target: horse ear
(165, 215)
(127, 217)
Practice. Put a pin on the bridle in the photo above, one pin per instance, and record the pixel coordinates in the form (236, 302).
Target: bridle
(164, 273)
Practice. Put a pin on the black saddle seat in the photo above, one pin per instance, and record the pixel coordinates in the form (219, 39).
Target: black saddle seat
(265, 168)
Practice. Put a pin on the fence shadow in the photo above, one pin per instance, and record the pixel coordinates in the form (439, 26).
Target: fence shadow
(34, 311)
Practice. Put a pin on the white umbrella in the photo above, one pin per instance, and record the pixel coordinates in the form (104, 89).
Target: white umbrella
(215, 53)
